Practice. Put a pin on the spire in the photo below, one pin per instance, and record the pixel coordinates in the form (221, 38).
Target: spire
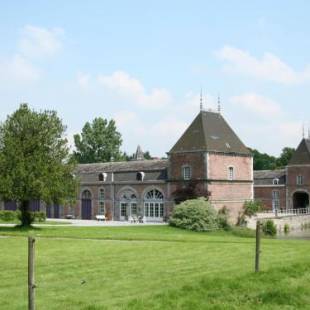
(201, 102)
(218, 104)
(139, 154)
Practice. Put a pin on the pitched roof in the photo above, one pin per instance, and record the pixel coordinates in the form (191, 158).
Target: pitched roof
(139, 154)
(266, 177)
(302, 155)
(210, 132)
(143, 165)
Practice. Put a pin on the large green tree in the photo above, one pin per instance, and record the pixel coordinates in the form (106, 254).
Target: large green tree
(285, 156)
(99, 142)
(34, 160)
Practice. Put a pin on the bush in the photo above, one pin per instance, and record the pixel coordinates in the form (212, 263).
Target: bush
(194, 214)
(286, 228)
(8, 216)
(222, 218)
(269, 228)
(251, 207)
(39, 216)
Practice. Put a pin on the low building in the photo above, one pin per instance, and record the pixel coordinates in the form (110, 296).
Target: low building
(288, 188)
(209, 158)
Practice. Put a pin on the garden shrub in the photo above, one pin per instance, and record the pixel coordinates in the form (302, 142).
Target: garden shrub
(286, 228)
(39, 216)
(223, 216)
(8, 216)
(269, 228)
(194, 214)
(251, 207)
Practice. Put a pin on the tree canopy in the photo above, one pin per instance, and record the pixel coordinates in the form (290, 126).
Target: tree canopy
(34, 159)
(263, 161)
(99, 142)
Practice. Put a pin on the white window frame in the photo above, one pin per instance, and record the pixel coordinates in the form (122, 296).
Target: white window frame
(275, 200)
(101, 201)
(231, 173)
(299, 180)
(186, 172)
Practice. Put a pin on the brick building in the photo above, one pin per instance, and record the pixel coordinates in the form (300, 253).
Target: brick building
(209, 157)
(287, 188)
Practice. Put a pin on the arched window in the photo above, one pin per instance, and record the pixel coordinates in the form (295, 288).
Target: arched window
(154, 205)
(86, 194)
(102, 177)
(128, 204)
(140, 176)
(101, 201)
(231, 173)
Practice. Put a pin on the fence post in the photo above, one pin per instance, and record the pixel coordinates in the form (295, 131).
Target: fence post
(31, 263)
(257, 252)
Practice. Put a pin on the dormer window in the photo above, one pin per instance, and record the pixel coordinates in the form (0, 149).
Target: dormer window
(186, 172)
(227, 145)
(275, 181)
(300, 180)
(102, 177)
(140, 176)
(231, 173)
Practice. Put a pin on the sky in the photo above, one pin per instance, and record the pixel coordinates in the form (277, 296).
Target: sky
(143, 63)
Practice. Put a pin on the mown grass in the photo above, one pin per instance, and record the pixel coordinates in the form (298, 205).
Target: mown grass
(155, 267)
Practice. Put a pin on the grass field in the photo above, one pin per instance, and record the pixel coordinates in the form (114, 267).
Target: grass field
(152, 267)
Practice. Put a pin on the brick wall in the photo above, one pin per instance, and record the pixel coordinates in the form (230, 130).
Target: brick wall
(264, 194)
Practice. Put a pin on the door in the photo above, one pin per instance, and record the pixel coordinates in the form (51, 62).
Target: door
(86, 209)
(56, 212)
(48, 211)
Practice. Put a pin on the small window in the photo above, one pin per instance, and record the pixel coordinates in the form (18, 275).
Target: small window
(101, 202)
(140, 176)
(300, 180)
(102, 177)
(227, 145)
(231, 173)
(275, 181)
(187, 173)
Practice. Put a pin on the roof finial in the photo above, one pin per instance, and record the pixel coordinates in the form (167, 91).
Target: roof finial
(201, 102)
(218, 104)
(303, 130)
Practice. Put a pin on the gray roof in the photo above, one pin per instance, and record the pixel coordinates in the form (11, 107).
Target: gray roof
(266, 177)
(143, 165)
(210, 132)
(302, 155)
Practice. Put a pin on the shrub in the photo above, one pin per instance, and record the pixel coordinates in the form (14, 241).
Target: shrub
(286, 228)
(222, 218)
(8, 216)
(194, 214)
(251, 207)
(39, 216)
(269, 228)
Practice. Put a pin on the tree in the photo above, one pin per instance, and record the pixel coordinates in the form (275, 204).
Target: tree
(263, 161)
(285, 156)
(98, 142)
(34, 160)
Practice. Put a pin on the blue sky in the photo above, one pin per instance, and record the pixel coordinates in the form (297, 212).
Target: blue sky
(143, 63)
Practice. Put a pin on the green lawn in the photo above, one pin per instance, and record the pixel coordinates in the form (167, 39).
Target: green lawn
(153, 267)
(40, 223)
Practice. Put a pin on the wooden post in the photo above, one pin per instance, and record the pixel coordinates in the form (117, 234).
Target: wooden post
(31, 285)
(257, 252)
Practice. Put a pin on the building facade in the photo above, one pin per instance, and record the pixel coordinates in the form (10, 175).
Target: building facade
(209, 158)
(288, 188)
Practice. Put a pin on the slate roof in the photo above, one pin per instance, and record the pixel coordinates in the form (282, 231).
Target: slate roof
(123, 166)
(302, 154)
(210, 132)
(266, 177)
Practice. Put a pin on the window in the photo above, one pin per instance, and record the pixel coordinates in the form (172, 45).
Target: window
(275, 181)
(134, 209)
(187, 172)
(102, 177)
(275, 200)
(300, 180)
(231, 173)
(123, 209)
(153, 204)
(101, 201)
(140, 176)
(86, 194)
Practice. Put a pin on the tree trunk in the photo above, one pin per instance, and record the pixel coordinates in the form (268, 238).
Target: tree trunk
(26, 216)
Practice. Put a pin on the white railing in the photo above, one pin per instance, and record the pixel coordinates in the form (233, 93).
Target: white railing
(297, 211)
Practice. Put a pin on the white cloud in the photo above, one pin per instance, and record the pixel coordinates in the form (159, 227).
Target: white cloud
(132, 89)
(125, 118)
(269, 67)
(83, 80)
(19, 70)
(40, 42)
(257, 104)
